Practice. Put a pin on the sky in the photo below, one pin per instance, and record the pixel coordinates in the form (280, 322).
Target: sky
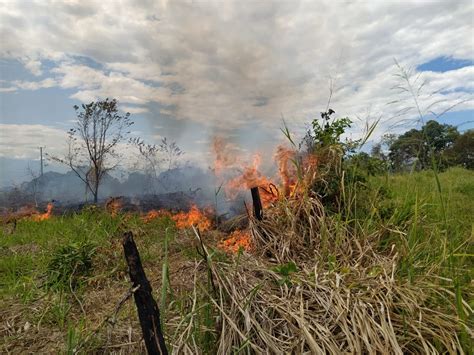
(193, 70)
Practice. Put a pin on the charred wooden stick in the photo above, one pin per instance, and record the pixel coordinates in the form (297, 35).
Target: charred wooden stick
(148, 311)
(257, 203)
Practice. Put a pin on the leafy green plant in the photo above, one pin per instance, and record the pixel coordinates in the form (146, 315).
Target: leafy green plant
(328, 132)
(285, 271)
(324, 142)
(69, 264)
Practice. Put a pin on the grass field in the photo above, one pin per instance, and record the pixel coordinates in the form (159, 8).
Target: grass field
(61, 279)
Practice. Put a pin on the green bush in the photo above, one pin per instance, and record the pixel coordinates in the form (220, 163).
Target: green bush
(69, 264)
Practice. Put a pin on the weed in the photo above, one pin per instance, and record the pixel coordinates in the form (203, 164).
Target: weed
(69, 264)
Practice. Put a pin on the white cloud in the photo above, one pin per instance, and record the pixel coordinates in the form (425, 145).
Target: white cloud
(94, 84)
(134, 109)
(22, 141)
(35, 85)
(33, 65)
(8, 89)
(229, 64)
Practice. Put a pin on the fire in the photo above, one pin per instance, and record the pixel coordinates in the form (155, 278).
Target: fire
(192, 218)
(44, 216)
(286, 159)
(237, 239)
(114, 205)
(296, 171)
(252, 177)
(153, 214)
(195, 217)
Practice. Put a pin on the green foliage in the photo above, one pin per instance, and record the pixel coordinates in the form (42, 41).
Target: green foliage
(72, 341)
(364, 164)
(69, 264)
(420, 146)
(326, 132)
(285, 271)
(324, 141)
(461, 152)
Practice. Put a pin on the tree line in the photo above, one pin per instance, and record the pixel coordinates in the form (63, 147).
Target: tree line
(434, 145)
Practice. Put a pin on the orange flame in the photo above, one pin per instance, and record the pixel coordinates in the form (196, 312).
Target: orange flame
(288, 175)
(182, 219)
(192, 218)
(153, 214)
(237, 239)
(46, 215)
(114, 205)
(290, 164)
(252, 177)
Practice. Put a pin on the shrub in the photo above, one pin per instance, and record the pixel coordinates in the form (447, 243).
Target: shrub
(69, 264)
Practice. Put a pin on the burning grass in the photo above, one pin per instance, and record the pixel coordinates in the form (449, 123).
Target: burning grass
(237, 240)
(322, 282)
(28, 212)
(310, 281)
(194, 217)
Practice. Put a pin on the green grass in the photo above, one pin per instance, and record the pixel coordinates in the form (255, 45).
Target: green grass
(431, 247)
(45, 274)
(407, 206)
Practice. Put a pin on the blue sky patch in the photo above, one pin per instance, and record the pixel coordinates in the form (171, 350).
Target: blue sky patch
(443, 64)
(463, 120)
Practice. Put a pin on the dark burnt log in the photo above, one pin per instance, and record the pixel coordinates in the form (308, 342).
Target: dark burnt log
(148, 311)
(257, 203)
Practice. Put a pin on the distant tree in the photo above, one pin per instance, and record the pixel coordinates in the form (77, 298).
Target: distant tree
(366, 164)
(377, 152)
(36, 180)
(407, 149)
(420, 146)
(157, 157)
(94, 140)
(461, 152)
(171, 153)
(150, 164)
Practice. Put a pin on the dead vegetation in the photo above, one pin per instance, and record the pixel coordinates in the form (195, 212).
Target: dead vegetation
(314, 286)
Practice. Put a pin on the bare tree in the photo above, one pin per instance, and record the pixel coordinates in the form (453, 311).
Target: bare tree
(93, 142)
(164, 155)
(171, 153)
(150, 164)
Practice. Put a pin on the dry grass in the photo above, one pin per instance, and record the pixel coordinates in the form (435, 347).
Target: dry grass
(329, 312)
(341, 294)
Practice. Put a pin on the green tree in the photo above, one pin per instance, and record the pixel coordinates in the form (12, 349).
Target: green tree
(420, 146)
(366, 164)
(461, 152)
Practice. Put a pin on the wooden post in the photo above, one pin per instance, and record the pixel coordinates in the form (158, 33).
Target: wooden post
(257, 203)
(148, 311)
